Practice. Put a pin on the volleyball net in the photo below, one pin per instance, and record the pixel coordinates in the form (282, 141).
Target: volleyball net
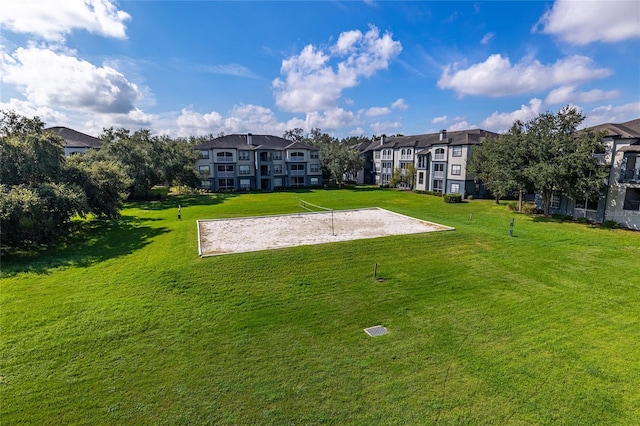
(307, 207)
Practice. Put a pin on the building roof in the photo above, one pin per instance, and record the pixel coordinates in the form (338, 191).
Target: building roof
(74, 139)
(462, 137)
(627, 130)
(253, 142)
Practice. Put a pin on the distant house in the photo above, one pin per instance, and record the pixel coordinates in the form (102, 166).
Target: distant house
(621, 200)
(75, 142)
(440, 160)
(257, 162)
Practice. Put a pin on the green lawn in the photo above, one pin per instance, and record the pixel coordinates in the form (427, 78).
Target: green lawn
(127, 325)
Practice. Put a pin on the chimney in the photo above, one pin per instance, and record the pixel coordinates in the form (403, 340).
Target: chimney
(443, 134)
(249, 139)
(382, 140)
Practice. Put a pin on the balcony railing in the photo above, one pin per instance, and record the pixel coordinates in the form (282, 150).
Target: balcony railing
(225, 174)
(297, 173)
(630, 175)
(438, 174)
(438, 157)
(225, 160)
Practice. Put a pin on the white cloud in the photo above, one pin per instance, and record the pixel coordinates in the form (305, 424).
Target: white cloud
(47, 78)
(311, 83)
(230, 69)
(386, 127)
(27, 109)
(52, 20)
(377, 111)
(399, 104)
(612, 114)
(501, 122)
(336, 118)
(567, 94)
(441, 119)
(487, 37)
(498, 77)
(584, 22)
(461, 125)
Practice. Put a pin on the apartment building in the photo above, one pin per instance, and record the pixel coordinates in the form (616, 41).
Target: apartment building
(257, 162)
(75, 142)
(439, 159)
(620, 202)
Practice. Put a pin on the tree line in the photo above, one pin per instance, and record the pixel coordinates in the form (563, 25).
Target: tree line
(545, 155)
(42, 190)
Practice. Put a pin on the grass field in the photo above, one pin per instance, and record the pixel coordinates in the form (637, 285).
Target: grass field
(127, 325)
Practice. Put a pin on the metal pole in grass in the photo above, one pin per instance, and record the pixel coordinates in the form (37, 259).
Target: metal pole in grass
(511, 227)
(333, 232)
(375, 270)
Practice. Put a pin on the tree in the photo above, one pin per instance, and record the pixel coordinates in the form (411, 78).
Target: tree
(500, 163)
(562, 159)
(36, 204)
(104, 183)
(150, 160)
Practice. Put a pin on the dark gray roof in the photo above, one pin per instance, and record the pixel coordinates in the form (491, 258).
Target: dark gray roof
(239, 141)
(74, 139)
(630, 129)
(462, 137)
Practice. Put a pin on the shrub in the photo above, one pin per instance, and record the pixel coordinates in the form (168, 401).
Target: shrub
(582, 220)
(452, 198)
(559, 216)
(610, 224)
(470, 197)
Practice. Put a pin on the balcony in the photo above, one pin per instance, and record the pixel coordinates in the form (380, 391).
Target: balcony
(225, 174)
(439, 175)
(630, 176)
(297, 173)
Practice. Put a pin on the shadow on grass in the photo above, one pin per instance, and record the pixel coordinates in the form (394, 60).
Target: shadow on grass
(91, 242)
(173, 201)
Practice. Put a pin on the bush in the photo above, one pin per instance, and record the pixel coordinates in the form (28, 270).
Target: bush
(610, 224)
(470, 198)
(559, 216)
(452, 198)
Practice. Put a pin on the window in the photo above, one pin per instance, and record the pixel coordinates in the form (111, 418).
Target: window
(314, 155)
(439, 154)
(204, 170)
(277, 169)
(204, 154)
(632, 199)
(455, 188)
(243, 155)
(244, 169)
(245, 183)
(455, 169)
(457, 151)
(377, 167)
(420, 178)
(205, 184)
(297, 181)
(630, 168)
(387, 154)
(376, 154)
(314, 181)
(297, 169)
(314, 168)
(296, 156)
(437, 185)
(277, 155)
(224, 157)
(225, 170)
(555, 201)
(225, 184)
(438, 170)
(421, 161)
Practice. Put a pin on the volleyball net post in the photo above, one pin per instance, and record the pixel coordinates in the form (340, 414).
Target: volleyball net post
(313, 208)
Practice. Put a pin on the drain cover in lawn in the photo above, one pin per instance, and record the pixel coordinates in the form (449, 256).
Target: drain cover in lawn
(378, 330)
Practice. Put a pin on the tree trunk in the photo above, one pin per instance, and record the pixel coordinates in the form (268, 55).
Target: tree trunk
(546, 198)
(497, 200)
(520, 197)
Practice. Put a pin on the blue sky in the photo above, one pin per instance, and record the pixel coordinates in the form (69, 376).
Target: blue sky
(347, 67)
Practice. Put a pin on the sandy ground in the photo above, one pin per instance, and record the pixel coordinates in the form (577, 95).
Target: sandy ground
(223, 236)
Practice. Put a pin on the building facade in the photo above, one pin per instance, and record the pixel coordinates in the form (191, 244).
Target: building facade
(257, 162)
(620, 201)
(75, 142)
(439, 160)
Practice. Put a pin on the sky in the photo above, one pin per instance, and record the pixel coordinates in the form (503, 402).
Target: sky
(349, 68)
